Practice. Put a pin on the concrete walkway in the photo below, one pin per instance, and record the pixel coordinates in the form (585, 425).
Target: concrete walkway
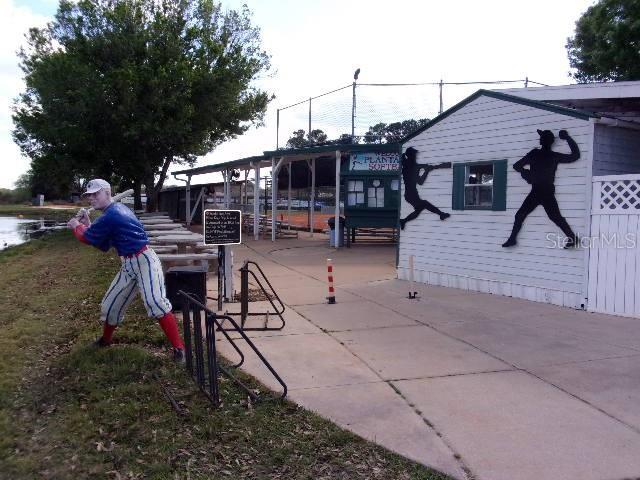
(471, 384)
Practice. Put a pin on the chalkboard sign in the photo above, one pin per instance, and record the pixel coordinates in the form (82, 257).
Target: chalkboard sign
(222, 227)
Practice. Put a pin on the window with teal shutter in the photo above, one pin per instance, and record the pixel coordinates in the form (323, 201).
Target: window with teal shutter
(499, 185)
(458, 186)
(480, 185)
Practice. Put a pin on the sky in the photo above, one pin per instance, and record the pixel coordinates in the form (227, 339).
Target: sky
(315, 46)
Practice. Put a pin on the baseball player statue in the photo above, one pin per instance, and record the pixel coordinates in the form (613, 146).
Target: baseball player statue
(141, 269)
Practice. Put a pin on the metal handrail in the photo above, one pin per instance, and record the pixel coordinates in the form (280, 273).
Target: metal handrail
(245, 271)
(212, 321)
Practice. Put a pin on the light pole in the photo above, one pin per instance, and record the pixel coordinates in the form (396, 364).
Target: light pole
(353, 106)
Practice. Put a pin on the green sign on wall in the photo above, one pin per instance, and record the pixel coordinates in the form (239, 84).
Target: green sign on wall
(374, 162)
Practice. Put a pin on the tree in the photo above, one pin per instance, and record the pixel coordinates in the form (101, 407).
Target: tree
(393, 132)
(124, 88)
(344, 139)
(298, 139)
(606, 44)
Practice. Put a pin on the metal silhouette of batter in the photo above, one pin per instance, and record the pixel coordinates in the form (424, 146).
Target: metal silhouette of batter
(543, 163)
(412, 178)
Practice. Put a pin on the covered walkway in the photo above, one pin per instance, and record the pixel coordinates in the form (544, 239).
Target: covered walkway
(275, 161)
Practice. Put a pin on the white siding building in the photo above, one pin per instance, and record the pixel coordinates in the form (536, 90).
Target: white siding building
(488, 133)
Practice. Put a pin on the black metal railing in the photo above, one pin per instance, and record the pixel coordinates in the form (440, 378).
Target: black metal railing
(270, 294)
(201, 357)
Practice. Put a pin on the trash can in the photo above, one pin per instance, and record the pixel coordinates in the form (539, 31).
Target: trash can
(38, 201)
(332, 231)
(192, 279)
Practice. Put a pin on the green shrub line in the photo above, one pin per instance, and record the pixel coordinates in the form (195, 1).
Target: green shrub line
(68, 410)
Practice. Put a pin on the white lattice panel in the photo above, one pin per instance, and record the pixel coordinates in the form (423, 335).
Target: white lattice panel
(614, 246)
(619, 196)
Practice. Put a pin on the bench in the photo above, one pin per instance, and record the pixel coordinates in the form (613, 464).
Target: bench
(142, 213)
(164, 226)
(202, 248)
(164, 248)
(157, 233)
(172, 259)
(264, 226)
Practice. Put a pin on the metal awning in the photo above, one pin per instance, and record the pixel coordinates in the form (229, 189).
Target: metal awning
(241, 163)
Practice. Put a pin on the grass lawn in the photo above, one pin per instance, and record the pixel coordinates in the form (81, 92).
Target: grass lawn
(70, 411)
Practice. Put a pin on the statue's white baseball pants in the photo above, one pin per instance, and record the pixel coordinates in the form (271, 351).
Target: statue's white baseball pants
(143, 273)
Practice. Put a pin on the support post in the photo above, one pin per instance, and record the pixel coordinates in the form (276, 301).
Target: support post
(441, 105)
(202, 206)
(188, 202)
(309, 132)
(228, 274)
(289, 197)
(221, 256)
(275, 167)
(224, 189)
(246, 193)
(227, 192)
(313, 193)
(256, 201)
(337, 210)
(353, 113)
(274, 198)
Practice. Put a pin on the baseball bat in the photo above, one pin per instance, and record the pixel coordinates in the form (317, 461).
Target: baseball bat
(115, 198)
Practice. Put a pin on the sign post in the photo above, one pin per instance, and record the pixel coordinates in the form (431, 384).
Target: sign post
(221, 228)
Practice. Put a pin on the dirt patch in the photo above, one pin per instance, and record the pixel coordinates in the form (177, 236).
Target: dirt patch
(255, 295)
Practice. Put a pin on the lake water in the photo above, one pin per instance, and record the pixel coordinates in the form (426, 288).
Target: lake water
(14, 231)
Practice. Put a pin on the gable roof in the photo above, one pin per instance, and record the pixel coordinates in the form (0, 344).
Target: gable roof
(581, 114)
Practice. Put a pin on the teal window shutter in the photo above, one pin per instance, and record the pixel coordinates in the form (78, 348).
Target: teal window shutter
(458, 187)
(499, 185)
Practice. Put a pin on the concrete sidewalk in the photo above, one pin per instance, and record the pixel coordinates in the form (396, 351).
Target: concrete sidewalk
(471, 384)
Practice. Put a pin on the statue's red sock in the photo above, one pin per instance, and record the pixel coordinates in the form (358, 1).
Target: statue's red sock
(107, 332)
(170, 327)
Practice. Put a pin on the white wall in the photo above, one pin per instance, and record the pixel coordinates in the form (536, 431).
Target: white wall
(615, 151)
(465, 250)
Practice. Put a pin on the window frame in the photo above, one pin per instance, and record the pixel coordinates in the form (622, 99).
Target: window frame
(467, 166)
(499, 186)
